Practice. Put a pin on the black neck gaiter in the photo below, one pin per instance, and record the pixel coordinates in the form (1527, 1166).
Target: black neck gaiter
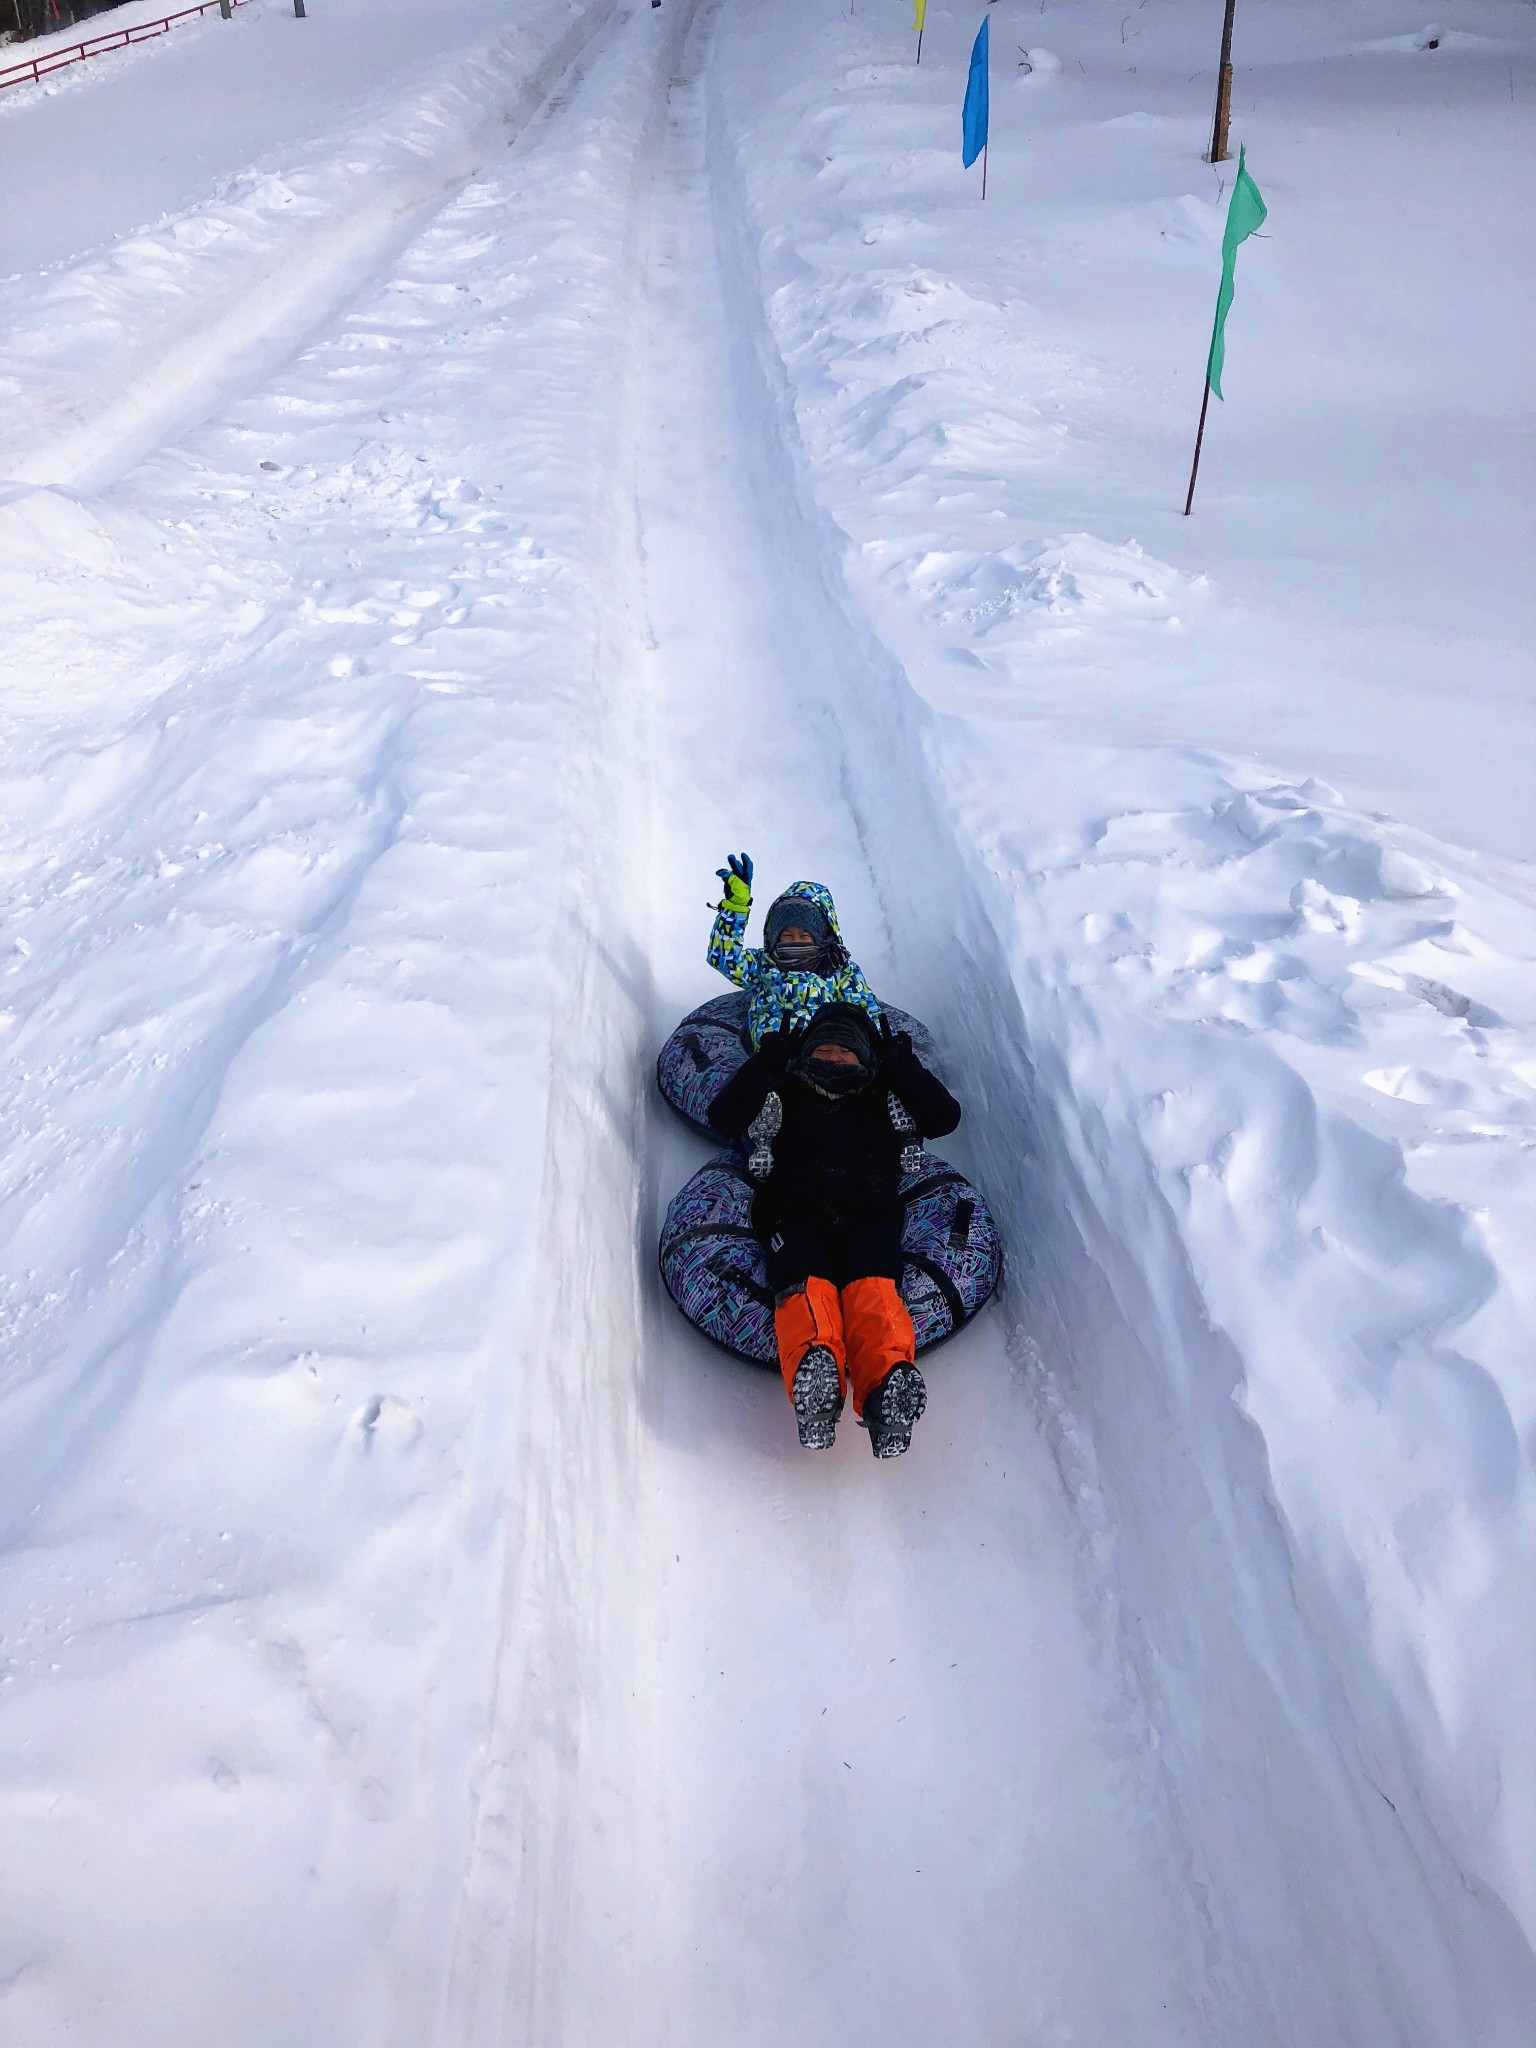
(833, 1079)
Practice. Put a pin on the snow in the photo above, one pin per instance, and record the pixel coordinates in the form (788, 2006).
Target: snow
(88, 157)
(106, 355)
(452, 497)
(1306, 1018)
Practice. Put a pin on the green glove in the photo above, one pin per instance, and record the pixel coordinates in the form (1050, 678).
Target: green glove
(737, 877)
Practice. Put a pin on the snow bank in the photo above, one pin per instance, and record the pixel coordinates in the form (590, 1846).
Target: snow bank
(297, 726)
(87, 155)
(105, 357)
(1279, 1042)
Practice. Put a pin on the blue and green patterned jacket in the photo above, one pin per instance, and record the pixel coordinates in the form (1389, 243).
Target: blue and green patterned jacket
(776, 998)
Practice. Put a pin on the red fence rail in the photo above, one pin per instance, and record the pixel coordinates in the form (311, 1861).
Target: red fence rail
(34, 68)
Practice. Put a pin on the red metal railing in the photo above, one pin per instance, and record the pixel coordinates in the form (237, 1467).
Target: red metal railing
(34, 68)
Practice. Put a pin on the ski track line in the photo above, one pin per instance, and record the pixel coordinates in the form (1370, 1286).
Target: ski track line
(554, 1935)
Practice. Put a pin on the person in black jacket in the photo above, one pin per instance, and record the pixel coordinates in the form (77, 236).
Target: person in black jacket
(828, 1112)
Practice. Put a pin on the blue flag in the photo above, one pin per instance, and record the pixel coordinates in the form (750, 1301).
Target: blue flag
(974, 117)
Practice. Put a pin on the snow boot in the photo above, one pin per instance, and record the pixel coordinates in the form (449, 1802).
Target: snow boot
(818, 1398)
(891, 1410)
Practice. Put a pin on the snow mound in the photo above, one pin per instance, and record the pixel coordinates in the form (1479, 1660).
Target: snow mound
(1036, 66)
(104, 357)
(1063, 586)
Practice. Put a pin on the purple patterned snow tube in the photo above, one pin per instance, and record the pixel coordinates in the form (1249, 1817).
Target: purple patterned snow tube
(711, 1043)
(713, 1265)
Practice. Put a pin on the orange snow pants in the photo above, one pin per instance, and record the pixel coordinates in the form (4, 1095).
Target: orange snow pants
(865, 1326)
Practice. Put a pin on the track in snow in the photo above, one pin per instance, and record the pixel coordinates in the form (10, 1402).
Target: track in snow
(772, 1831)
(588, 1708)
(806, 1755)
(896, 1813)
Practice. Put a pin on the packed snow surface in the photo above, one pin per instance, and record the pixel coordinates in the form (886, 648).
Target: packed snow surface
(467, 464)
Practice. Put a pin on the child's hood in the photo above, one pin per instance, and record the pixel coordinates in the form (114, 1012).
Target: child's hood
(815, 892)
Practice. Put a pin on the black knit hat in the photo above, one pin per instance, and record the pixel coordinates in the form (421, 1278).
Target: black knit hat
(789, 910)
(841, 1024)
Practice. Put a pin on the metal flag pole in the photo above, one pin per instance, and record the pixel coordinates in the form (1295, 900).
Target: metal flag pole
(1194, 467)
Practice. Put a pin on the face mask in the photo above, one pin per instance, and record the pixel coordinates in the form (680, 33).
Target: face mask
(797, 957)
(833, 1080)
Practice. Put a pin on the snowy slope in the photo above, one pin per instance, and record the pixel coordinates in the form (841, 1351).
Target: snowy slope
(1287, 1037)
(105, 355)
(283, 974)
(104, 147)
(426, 551)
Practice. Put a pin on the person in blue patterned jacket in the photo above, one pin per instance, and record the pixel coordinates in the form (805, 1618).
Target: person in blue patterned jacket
(802, 964)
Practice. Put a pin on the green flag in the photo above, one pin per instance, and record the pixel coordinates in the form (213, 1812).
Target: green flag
(1246, 212)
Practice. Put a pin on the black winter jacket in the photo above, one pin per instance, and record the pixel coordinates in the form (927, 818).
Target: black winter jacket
(834, 1154)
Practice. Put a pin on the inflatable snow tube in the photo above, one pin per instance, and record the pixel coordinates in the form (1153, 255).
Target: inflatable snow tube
(713, 1267)
(711, 1043)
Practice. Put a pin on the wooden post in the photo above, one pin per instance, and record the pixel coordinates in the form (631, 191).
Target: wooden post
(1194, 467)
(1219, 151)
(226, 12)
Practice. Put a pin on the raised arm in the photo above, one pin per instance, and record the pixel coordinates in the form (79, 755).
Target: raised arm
(727, 952)
(746, 1091)
(922, 1094)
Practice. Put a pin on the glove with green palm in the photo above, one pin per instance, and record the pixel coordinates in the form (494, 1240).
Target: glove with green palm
(737, 877)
